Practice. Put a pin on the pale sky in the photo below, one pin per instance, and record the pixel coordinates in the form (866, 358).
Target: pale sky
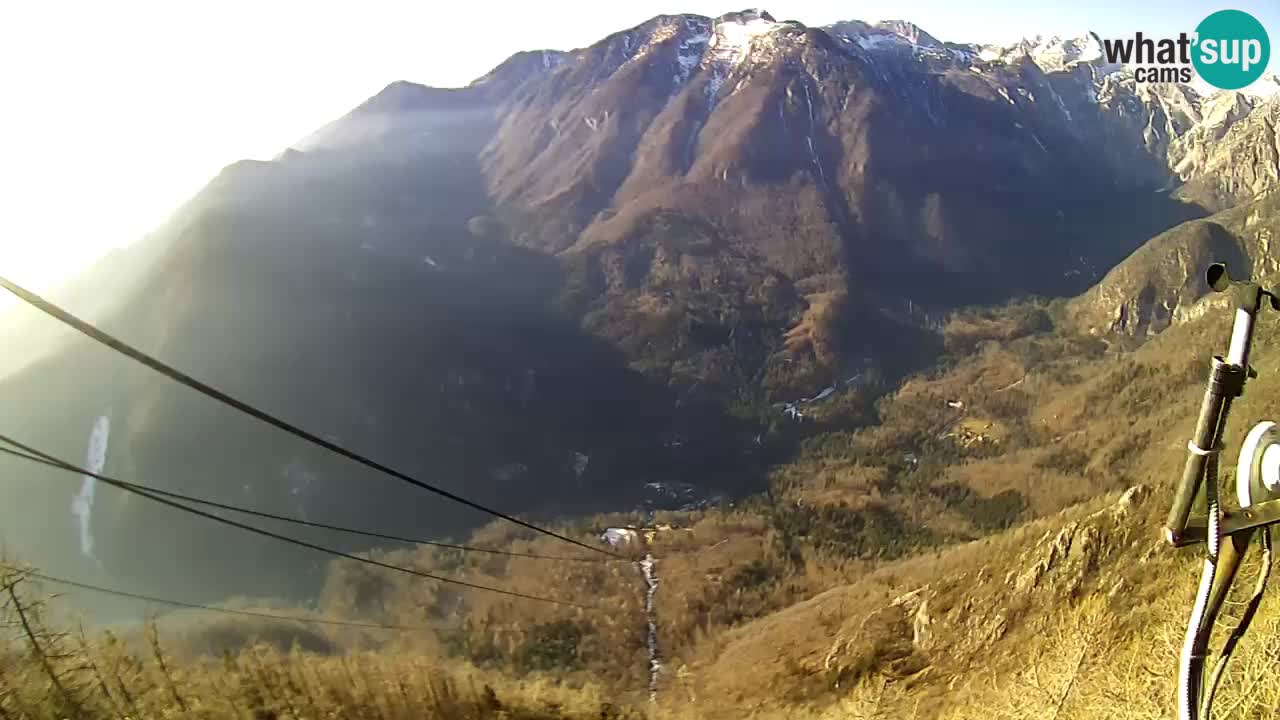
(116, 112)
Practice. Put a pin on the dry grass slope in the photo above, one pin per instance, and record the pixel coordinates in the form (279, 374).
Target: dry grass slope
(46, 674)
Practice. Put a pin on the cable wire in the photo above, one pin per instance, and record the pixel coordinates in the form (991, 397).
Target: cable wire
(180, 377)
(336, 528)
(1190, 686)
(1242, 626)
(36, 456)
(209, 608)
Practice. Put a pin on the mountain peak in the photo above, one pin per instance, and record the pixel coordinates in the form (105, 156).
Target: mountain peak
(910, 32)
(734, 33)
(891, 35)
(1059, 53)
(1055, 53)
(744, 17)
(398, 96)
(520, 67)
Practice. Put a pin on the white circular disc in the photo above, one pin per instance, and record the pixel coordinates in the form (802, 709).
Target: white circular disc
(1271, 469)
(1250, 486)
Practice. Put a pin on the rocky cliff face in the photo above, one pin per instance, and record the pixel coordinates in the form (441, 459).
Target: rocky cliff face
(1189, 153)
(1234, 158)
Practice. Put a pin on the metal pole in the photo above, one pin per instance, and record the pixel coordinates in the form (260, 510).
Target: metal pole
(1193, 471)
(1241, 337)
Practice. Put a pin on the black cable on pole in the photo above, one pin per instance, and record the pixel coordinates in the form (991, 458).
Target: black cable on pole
(336, 528)
(36, 456)
(178, 376)
(209, 608)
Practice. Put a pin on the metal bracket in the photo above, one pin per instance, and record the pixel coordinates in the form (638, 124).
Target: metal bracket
(1233, 522)
(1245, 295)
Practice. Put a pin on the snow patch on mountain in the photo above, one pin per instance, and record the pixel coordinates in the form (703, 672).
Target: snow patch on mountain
(551, 59)
(909, 32)
(991, 53)
(714, 83)
(1220, 110)
(813, 153)
(901, 38)
(1052, 54)
(691, 51)
(732, 39)
(735, 35)
(887, 36)
(1057, 53)
(876, 42)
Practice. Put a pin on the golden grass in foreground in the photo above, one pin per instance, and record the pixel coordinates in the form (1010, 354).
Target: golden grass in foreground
(1088, 664)
(46, 674)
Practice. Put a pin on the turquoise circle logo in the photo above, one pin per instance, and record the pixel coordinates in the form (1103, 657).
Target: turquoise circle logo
(1232, 49)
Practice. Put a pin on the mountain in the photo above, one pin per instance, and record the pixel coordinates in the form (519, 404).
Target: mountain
(589, 271)
(1228, 160)
(824, 153)
(347, 289)
(1241, 163)
(1051, 54)
(867, 166)
(1189, 153)
(1163, 282)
